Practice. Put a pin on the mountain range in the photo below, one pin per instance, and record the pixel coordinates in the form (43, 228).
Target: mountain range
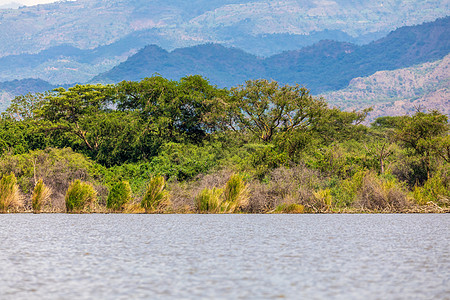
(324, 66)
(261, 27)
(328, 46)
(327, 65)
(398, 92)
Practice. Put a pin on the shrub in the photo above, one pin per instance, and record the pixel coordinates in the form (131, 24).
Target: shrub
(9, 193)
(264, 159)
(236, 193)
(80, 196)
(436, 189)
(156, 198)
(184, 161)
(378, 193)
(119, 196)
(41, 196)
(324, 197)
(57, 168)
(209, 200)
(345, 192)
(292, 208)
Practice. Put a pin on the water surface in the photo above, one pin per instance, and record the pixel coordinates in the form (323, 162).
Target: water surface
(58, 256)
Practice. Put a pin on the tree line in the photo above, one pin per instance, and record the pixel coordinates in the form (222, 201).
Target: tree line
(188, 129)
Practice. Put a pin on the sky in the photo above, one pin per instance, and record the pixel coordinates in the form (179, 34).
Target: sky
(25, 2)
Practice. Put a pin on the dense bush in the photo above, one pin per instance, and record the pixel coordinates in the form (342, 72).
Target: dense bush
(435, 190)
(56, 167)
(184, 161)
(80, 197)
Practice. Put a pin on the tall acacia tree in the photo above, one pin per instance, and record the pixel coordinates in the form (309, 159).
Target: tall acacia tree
(76, 111)
(265, 108)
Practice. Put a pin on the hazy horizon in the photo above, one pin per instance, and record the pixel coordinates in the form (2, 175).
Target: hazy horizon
(13, 3)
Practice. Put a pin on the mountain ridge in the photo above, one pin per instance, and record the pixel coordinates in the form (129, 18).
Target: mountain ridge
(398, 92)
(87, 24)
(327, 65)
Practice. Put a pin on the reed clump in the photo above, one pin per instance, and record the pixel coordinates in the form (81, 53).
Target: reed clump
(80, 197)
(41, 196)
(236, 194)
(9, 193)
(233, 197)
(209, 201)
(156, 198)
(292, 208)
(119, 196)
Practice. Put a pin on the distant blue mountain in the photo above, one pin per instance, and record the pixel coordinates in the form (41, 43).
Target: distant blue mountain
(327, 65)
(261, 27)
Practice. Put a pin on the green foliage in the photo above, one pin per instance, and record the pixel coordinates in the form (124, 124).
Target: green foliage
(119, 196)
(184, 161)
(9, 193)
(419, 134)
(172, 110)
(24, 107)
(277, 135)
(435, 190)
(264, 108)
(263, 159)
(345, 191)
(80, 197)
(41, 196)
(18, 137)
(340, 159)
(420, 128)
(56, 167)
(156, 198)
(209, 201)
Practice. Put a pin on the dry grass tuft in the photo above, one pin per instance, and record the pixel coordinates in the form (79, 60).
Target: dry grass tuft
(236, 194)
(156, 198)
(10, 197)
(210, 201)
(41, 196)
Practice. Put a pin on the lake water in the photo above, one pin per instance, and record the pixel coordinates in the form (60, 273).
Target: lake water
(58, 256)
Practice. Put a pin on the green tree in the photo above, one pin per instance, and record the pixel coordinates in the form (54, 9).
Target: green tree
(72, 110)
(419, 132)
(171, 110)
(24, 107)
(264, 108)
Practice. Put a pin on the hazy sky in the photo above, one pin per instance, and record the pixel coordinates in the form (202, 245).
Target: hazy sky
(26, 2)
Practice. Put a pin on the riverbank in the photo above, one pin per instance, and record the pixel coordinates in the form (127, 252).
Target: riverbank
(431, 208)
